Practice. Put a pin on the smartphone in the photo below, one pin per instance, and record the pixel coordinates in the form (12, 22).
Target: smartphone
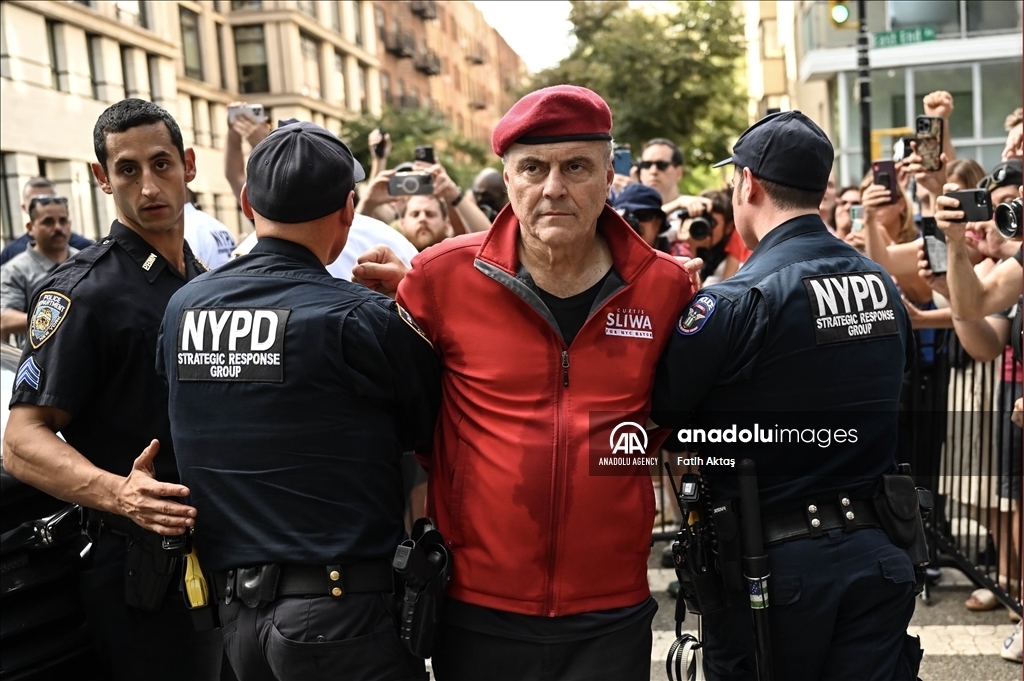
(901, 149)
(378, 148)
(935, 251)
(929, 142)
(424, 154)
(856, 218)
(975, 203)
(884, 173)
(254, 110)
(411, 184)
(622, 161)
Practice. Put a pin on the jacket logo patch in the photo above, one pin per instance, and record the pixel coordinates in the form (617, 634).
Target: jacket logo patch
(29, 373)
(697, 315)
(850, 306)
(231, 344)
(629, 322)
(51, 309)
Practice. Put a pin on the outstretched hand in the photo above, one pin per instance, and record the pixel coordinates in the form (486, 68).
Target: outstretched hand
(142, 498)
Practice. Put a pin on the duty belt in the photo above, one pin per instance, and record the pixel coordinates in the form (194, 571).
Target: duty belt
(96, 522)
(815, 519)
(308, 581)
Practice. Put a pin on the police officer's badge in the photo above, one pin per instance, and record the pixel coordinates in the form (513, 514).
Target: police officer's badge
(407, 318)
(51, 309)
(700, 310)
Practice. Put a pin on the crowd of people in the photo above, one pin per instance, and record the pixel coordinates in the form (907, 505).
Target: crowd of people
(545, 303)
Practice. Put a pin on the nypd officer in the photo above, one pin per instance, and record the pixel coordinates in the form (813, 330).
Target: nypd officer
(293, 395)
(88, 373)
(802, 356)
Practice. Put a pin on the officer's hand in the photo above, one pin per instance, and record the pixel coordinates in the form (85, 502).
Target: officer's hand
(692, 267)
(141, 498)
(1018, 412)
(380, 270)
(947, 213)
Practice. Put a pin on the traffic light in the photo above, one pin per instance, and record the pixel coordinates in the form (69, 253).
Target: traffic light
(839, 14)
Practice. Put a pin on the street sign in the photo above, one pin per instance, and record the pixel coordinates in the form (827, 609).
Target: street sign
(904, 36)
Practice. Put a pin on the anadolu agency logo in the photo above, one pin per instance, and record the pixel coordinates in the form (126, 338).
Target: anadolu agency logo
(619, 447)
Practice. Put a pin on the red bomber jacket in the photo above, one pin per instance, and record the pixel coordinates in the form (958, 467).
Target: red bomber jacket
(532, 529)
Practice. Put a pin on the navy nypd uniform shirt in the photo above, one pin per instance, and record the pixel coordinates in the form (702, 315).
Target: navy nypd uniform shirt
(92, 346)
(807, 342)
(293, 395)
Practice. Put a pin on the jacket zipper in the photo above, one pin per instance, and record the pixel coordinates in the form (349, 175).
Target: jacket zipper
(561, 454)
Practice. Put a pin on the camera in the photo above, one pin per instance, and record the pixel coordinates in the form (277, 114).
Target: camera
(700, 226)
(1008, 219)
(411, 184)
(631, 219)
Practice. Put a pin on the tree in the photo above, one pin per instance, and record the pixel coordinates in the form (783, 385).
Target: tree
(462, 158)
(669, 74)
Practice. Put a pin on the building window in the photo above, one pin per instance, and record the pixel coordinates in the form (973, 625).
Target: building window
(245, 4)
(131, 12)
(155, 88)
(8, 190)
(310, 51)
(769, 34)
(332, 8)
(382, 25)
(944, 16)
(307, 7)
(56, 54)
(251, 57)
(363, 105)
(222, 55)
(993, 16)
(190, 44)
(339, 78)
(385, 88)
(359, 23)
(94, 48)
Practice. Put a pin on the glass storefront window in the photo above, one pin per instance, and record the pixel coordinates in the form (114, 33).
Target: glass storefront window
(991, 155)
(956, 81)
(1000, 95)
(944, 16)
(985, 16)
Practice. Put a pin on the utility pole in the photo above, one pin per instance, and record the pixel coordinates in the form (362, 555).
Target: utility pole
(864, 82)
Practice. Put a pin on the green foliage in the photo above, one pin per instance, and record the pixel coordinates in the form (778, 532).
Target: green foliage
(670, 74)
(409, 128)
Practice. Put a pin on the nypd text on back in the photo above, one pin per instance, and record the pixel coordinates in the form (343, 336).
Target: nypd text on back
(231, 344)
(850, 306)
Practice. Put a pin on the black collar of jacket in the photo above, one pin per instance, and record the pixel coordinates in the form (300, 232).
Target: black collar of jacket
(289, 249)
(147, 257)
(802, 224)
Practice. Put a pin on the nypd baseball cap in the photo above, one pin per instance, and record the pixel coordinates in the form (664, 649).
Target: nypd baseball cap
(787, 148)
(300, 172)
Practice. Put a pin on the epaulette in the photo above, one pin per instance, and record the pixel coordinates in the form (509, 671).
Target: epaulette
(71, 272)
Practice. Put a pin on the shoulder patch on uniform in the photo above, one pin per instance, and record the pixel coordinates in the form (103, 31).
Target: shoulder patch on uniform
(29, 373)
(697, 314)
(51, 309)
(849, 306)
(407, 318)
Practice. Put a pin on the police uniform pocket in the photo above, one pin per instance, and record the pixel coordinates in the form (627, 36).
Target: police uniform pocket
(784, 589)
(372, 656)
(897, 569)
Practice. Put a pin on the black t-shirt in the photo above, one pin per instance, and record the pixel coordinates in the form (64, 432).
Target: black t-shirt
(91, 350)
(571, 313)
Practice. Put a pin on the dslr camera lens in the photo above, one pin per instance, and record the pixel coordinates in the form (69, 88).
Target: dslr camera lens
(1008, 219)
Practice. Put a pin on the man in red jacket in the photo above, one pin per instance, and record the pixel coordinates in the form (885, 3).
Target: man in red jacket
(549, 326)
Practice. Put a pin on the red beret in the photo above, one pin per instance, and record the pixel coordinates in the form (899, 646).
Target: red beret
(561, 113)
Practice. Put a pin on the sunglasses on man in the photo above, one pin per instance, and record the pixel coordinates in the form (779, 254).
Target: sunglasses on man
(996, 179)
(47, 199)
(660, 165)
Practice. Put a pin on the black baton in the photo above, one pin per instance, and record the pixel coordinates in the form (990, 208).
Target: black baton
(755, 568)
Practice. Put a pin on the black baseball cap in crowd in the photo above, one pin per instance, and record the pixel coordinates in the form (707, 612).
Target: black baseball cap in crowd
(1006, 174)
(300, 172)
(787, 148)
